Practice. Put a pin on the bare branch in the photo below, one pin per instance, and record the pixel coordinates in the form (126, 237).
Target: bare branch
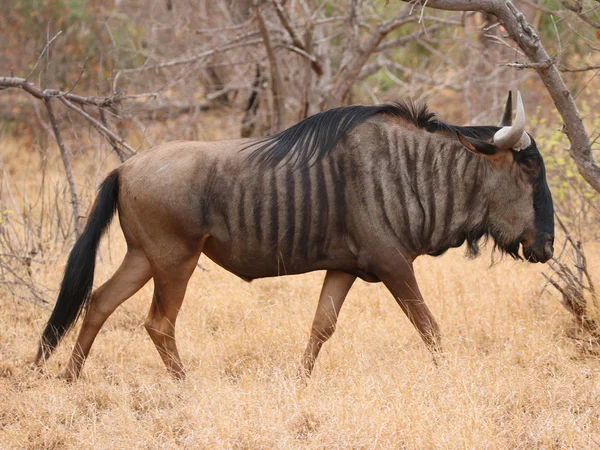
(102, 102)
(581, 255)
(577, 8)
(227, 28)
(579, 69)
(575, 285)
(285, 21)
(176, 108)
(306, 55)
(101, 128)
(357, 56)
(193, 58)
(539, 6)
(42, 53)
(409, 38)
(518, 65)
(113, 143)
(68, 99)
(67, 165)
(299, 46)
(386, 63)
(458, 5)
(276, 83)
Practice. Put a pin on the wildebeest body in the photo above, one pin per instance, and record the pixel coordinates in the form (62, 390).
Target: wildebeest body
(391, 186)
(358, 191)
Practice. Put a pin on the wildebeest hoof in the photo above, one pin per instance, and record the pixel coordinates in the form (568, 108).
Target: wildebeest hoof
(36, 367)
(178, 375)
(303, 374)
(440, 361)
(67, 376)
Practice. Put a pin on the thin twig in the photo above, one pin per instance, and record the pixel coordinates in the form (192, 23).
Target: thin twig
(548, 63)
(113, 143)
(67, 165)
(299, 46)
(121, 141)
(22, 83)
(193, 58)
(42, 53)
(276, 83)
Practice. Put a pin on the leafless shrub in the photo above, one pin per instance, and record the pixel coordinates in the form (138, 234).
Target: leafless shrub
(23, 238)
(571, 278)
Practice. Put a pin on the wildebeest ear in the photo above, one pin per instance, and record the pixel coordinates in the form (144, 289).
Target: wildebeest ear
(477, 146)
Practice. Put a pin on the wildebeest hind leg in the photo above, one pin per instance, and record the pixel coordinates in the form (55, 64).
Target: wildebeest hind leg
(133, 273)
(333, 293)
(170, 283)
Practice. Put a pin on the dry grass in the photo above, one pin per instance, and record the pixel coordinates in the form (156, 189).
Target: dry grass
(514, 378)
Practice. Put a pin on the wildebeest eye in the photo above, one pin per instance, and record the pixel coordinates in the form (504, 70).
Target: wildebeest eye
(529, 165)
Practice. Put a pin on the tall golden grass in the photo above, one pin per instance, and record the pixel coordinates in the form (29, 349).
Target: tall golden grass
(516, 377)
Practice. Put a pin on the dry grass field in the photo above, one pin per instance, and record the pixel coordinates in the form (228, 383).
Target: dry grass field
(516, 377)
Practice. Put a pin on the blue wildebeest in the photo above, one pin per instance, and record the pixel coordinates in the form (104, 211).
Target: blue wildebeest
(358, 191)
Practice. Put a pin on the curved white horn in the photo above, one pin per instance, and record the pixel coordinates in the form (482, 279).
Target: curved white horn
(509, 137)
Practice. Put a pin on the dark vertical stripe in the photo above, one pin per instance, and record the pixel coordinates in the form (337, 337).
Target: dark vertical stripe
(221, 204)
(304, 211)
(274, 215)
(431, 169)
(373, 188)
(450, 167)
(231, 211)
(227, 221)
(473, 179)
(208, 194)
(245, 224)
(331, 210)
(338, 177)
(321, 210)
(419, 196)
(360, 176)
(416, 207)
(381, 205)
(290, 208)
(403, 189)
(393, 149)
(411, 150)
(241, 227)
(393, 206)
(379, 169)
(466, 159)
(257, 207)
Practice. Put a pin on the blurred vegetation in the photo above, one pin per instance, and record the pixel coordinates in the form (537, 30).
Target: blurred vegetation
(88, 49)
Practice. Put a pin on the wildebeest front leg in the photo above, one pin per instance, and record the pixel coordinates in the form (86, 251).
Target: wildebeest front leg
(405, 290)
(333, 293)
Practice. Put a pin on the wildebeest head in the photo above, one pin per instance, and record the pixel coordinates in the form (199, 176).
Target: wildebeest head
(520, 203)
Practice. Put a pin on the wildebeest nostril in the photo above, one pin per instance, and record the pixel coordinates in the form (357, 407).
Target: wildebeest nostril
(548, 249)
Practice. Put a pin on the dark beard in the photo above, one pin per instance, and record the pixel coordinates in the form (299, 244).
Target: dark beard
(505, 247)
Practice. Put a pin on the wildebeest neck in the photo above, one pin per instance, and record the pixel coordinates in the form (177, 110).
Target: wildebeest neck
(426, 189)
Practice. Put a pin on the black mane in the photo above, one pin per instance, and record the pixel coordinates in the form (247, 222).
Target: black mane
(311, 139)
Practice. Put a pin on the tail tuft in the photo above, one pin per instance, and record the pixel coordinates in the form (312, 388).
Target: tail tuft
(76, 286)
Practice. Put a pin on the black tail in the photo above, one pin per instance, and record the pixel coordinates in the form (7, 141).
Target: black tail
(76, 287)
